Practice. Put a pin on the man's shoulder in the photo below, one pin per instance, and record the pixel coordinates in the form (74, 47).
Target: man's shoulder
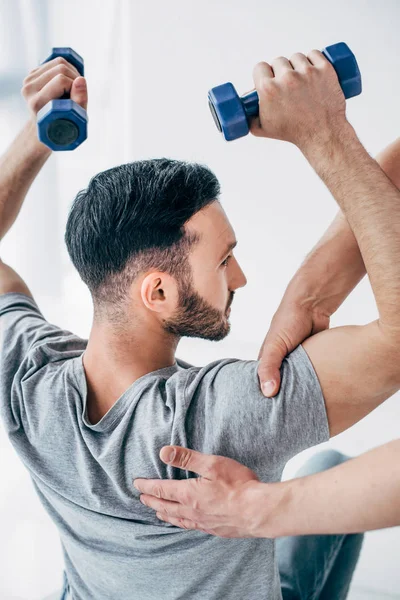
(223, 374)
(238, 378)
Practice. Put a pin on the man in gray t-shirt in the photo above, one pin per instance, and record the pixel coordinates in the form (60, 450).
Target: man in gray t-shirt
(154, 246)
(114, 546)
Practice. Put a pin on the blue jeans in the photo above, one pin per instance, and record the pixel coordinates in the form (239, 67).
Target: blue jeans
(318, 567)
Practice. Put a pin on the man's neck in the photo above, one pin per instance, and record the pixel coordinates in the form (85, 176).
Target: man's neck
(113, 361)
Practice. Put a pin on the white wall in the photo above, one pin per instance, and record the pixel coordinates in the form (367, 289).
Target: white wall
(149, 66)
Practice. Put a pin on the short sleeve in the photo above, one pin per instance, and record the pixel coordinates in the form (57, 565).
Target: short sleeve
(28, 343)
(22, 327)
(228, 414)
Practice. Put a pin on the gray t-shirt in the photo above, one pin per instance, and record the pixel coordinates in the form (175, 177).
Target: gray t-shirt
(114, 546)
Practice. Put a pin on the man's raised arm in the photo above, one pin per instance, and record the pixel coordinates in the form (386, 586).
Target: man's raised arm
(25, 157)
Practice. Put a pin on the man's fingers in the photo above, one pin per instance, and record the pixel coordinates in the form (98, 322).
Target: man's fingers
(280, 65)
(261, 72)
(35, 84)
(300, 62)
(79, 92)
(53, 90)
(317, 58)
(49, 65)
(168, 489)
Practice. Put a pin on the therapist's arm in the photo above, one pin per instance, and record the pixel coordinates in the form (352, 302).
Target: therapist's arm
(358, 495)
(229, 501)
(328, 274)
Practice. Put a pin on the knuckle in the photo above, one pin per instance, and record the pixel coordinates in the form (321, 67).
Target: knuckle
(33, 104)
(297, 55)
(195, 504)
(27, 79)
(61, 78)
(157, 492)
(62, 69)
(326, 66)
(185, 497)
(266, 86)
(259, 65)
(60, 60)
(308, 70)
(186, 524)
(185, 458)
(213, 465)
(26, 89)
(290, 78)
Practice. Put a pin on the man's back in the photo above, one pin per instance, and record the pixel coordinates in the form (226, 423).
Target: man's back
(114, 546)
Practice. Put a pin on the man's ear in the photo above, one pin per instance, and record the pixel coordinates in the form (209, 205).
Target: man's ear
(159, 293)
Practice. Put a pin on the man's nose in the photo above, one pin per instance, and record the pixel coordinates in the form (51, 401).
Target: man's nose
(239, 278)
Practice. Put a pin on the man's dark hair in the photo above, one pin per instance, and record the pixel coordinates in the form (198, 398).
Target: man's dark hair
(131, 219)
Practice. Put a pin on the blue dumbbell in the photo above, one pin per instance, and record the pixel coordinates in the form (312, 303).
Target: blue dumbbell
(232, 113)
(62, 123)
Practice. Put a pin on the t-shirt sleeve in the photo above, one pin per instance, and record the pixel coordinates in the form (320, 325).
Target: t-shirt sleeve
(228, 414)
(28, 342)
(22, 327)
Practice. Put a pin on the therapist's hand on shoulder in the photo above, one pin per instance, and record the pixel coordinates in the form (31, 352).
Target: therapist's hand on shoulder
(296, 319)
(222, 501)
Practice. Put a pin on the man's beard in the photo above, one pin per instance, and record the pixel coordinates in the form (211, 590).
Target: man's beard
(195, 317)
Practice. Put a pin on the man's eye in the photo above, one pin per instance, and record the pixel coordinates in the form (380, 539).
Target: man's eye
(225, 262)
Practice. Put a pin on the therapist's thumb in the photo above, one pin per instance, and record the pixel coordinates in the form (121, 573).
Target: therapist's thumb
(189, 460)
(209, 466)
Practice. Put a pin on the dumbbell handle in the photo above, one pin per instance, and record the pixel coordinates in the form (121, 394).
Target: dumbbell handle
(250, 100)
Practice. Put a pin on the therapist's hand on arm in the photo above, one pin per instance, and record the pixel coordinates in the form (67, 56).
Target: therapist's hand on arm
(326, 277)
(227, 499)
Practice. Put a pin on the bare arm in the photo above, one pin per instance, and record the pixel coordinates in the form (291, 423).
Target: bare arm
(358, 495)
(358, 366)
(324, 280)
(18, 168)
(335, 265)
(26, 156)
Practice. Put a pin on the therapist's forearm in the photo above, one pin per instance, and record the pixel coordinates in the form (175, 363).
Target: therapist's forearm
(335, 266)
(359, 495)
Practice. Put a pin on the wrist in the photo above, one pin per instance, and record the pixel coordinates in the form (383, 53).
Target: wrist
(269, 505)
(32, 140)
(327, 141)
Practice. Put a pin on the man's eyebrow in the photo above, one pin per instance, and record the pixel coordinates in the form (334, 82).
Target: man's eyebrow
(231, 246)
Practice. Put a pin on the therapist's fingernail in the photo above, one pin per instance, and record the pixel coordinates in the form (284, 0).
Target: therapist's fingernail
(168, 454)
(268, 387)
